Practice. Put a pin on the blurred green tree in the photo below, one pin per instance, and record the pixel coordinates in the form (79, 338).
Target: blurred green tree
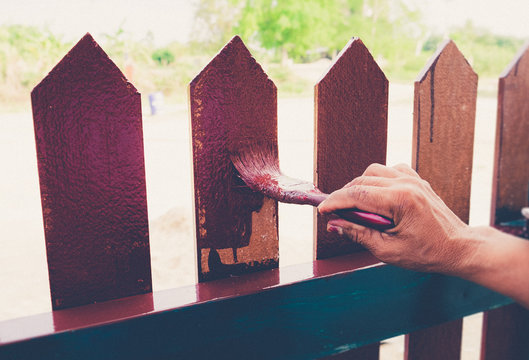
(163, 56)
(292, 28)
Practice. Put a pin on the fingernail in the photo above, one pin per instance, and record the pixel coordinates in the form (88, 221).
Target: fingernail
(335, 229)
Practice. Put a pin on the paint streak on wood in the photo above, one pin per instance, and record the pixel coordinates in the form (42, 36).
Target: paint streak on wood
(351, 103)
(443, 129)
(233, 106)
(89, 136)
(506, 330)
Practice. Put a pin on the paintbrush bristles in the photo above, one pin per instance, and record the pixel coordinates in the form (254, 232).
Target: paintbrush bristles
(259, 169)
(256, 164)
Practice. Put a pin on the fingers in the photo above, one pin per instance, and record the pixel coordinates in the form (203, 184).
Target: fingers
(371, 181)
(378, 200)
(368, 238)
(406, 169)
(380, 171)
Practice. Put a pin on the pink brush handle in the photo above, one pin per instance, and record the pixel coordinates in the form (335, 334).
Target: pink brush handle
(371, 220)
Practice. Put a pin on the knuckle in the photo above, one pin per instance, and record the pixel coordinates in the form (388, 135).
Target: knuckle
(402, 167)
(357, 181)
(373, 169)
(356, 193)
(426, 185)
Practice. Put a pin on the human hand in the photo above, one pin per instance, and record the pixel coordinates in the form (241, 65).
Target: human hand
(427, 235)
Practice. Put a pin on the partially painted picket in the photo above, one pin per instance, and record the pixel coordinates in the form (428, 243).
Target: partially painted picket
(232, 102)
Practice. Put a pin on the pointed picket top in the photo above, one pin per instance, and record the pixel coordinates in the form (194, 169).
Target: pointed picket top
(511, 173)
(85, 58)
(351, 102)
(443, 141)
(89, 136)
(444, 117)
(233, 103)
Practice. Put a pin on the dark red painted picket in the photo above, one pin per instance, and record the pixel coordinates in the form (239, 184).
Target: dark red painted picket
(88, 129)
(351, 106)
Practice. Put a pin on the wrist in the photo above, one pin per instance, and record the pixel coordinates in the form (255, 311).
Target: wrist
(470, 251)
(498, 261)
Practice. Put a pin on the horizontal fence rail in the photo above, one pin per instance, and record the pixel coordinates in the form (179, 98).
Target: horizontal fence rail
(89, 137)
(328, 307)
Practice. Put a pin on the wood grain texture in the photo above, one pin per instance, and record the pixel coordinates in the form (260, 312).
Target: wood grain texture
(506, 330)
(351, 103)
(438, 342)
(443, 129)
(505, 333)
(233, 105)
(511, 172)
(89, 137)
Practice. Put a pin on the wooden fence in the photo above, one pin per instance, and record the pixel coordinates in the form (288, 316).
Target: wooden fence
(88, 131)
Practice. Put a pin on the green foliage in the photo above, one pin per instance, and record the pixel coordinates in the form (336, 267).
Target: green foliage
(305, 30)
(214, 23)
(290, 27)
(488, 54)
(275, 30)
(26, 53)
(163, 56)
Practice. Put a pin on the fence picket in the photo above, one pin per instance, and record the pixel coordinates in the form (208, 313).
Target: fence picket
(505, 330)
(233, 102)
(351, 103)
(443, 129)
(88, 131)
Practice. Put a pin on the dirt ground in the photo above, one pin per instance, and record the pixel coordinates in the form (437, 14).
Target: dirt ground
(23, 273)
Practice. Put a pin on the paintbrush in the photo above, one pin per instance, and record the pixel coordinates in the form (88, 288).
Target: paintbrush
(259, 168)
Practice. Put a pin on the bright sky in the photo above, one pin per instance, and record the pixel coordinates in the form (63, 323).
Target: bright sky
(167, 19)
(173, 19)
(505, 17)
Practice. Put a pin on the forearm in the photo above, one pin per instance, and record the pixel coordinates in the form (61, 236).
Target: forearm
(499, 262)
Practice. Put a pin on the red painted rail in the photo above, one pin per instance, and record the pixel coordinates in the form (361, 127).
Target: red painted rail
(90, 156)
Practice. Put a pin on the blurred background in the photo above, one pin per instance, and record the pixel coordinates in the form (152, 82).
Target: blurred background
(167, 42)
(160, 45)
